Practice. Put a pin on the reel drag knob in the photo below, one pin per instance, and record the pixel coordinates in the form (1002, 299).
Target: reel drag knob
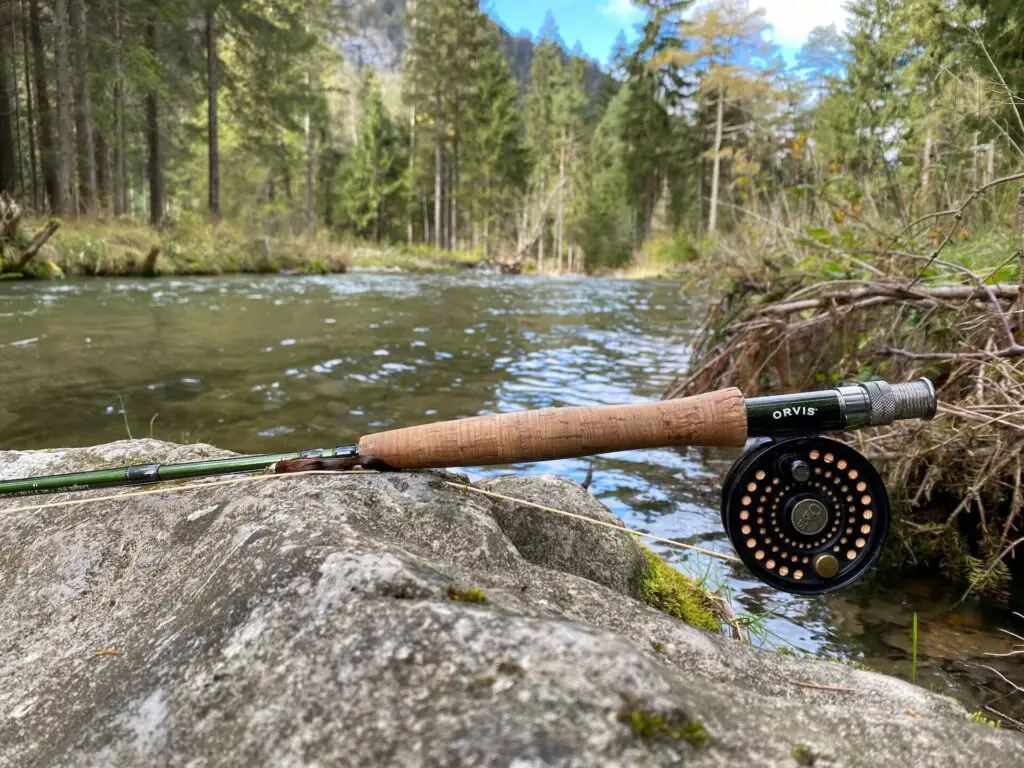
(806, 515)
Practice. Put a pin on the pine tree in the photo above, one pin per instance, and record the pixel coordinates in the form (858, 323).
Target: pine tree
(543, 131)
(495, 160)
(84, 139)
(373, 191)
(7, 99)
(213, 136)
(64, 151)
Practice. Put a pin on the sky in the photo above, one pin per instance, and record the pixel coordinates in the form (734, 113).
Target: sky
(596, 23)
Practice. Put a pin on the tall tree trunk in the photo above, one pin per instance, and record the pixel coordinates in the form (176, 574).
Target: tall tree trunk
(15, 91)
(155, 166)
(64, 149)
(102, 170)
(271, 198)
(120, 181)
(453, 194)
(716, 161)
(990, 163)
(83, 109)
(31, 112)
(542, 224)
(425, 209)
(700, 197)
(560, 220)
(487, 215)
(412, 171)
(213, 151)
(438, 169)
(974, 162)
(286, 179)
(926, 168)
(8, 164)
(47, 150)
(310, 202)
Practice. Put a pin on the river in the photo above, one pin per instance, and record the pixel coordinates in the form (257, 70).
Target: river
(270, 363)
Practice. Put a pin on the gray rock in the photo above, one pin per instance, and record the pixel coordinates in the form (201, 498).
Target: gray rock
(573, 546)
(293, 621)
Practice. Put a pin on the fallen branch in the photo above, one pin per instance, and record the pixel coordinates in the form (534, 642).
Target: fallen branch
(893, 292)
(534, 234)
(36, 243)
(1012, 351)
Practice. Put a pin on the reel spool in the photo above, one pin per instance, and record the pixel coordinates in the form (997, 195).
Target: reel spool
(806, 515)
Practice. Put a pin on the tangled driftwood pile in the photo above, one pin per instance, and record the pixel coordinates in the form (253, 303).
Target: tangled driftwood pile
(957, 481)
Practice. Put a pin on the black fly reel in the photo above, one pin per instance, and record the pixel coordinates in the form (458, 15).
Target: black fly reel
(806, 515)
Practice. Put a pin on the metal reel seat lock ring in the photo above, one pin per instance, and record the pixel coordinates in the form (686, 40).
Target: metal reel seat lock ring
(806, 515)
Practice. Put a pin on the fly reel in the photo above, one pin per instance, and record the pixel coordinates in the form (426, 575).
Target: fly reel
(806, 515)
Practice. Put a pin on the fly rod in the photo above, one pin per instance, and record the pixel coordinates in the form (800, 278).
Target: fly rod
(805, 513)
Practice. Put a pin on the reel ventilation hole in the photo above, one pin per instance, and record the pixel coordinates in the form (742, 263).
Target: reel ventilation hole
(806, 515)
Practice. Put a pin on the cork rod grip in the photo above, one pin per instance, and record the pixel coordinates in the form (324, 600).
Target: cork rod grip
(715, 418)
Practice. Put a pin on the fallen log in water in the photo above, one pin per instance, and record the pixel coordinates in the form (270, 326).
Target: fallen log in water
(36, 243)
(10, 222)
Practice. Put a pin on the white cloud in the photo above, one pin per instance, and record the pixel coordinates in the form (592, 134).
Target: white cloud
(623, 10)
(794, 19)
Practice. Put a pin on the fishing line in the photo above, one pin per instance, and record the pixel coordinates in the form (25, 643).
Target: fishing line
(602, 523)
(460, 486)
(179, 489)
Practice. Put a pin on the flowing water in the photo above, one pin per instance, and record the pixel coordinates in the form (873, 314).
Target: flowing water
(259, 364)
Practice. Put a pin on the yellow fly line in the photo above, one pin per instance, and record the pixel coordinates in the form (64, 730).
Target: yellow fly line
(459, 486)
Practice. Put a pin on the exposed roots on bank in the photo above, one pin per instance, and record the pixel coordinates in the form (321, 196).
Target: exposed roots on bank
(956, 482)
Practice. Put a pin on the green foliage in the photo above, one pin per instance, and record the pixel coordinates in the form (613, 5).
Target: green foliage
(511, 148)
(373, 188)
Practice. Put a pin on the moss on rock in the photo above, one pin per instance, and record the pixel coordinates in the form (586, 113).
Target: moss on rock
(653, 726)
(665, 588)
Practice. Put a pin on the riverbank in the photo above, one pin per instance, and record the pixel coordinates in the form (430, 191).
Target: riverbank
(854, 299)
(398, 617)
(123, 248)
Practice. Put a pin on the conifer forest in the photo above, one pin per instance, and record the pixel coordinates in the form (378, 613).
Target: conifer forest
(426, 122)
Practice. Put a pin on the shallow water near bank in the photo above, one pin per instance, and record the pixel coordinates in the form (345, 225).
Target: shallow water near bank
(259, 364)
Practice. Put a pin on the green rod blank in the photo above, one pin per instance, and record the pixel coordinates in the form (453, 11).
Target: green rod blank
(144, 474)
